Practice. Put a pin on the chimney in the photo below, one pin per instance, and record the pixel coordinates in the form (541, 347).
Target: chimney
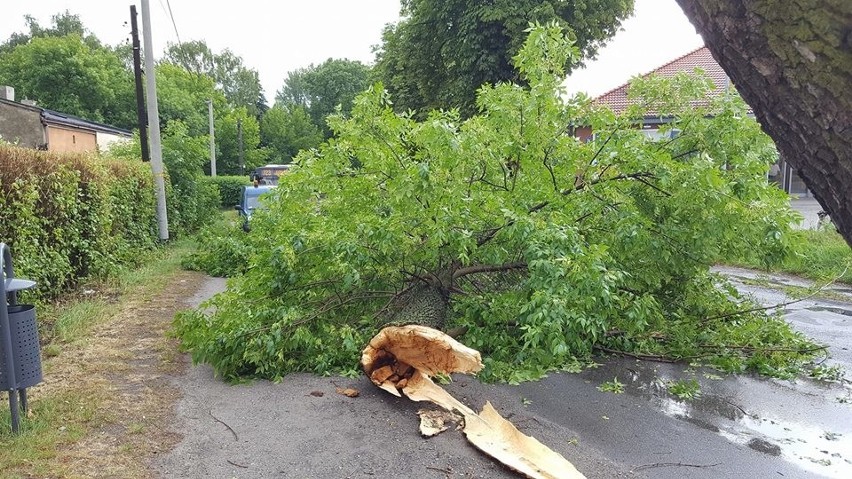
(7, 93)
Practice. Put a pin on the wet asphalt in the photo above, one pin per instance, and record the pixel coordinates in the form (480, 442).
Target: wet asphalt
(739, 426)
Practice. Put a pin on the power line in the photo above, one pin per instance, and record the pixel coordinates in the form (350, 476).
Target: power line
(182, 58)
(173, 20)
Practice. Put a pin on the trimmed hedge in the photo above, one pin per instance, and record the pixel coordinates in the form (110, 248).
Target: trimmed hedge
(229, 188)
(68, 216)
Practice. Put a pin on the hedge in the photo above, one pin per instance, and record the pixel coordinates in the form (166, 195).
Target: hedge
(69, 216)
(229, 188)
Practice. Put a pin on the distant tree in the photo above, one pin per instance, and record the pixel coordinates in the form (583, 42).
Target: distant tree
(286, 131)
(793, 66)
(443, 51)
(62, 24)
(193, 55)
(75, 76)
(240, 84)
(227, 142)
(183, 96)
(321, 89)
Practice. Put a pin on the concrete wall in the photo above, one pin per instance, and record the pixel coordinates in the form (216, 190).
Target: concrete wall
(21, 125)
(64, 139)
(106, 140)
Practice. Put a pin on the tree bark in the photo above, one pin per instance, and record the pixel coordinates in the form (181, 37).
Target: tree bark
(792, 63)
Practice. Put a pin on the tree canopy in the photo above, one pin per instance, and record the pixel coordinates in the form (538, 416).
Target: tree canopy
(239, 83)
(65, 67)
(183, 96)
(62, 24)
(536, 245)
(286, 131)
(229, 127)
(70, 74)
(443, 51)
(322, 88)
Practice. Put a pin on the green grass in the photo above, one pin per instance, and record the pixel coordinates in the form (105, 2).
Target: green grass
(71, 318)
(54, 421)
(65, 417)
(78, 318)
(819, 255)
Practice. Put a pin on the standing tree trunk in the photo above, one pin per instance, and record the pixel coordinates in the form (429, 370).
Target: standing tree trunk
(792, 63)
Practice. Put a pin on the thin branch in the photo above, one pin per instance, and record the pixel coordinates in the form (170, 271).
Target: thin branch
(736, 406)
(685, 153)
(625, 176)
(780, 305)
(488, 268)
(752, 349)
(592, 161)
(503, 187)
(550, 169)
(210, 412)
(645, 357)
(390, 147)
(672, 464)
(327, 306)
(651, 185)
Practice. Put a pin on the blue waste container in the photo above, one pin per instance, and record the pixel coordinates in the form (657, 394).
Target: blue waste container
(20, 352)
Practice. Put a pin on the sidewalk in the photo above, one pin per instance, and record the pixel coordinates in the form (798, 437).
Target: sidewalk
(809, 209)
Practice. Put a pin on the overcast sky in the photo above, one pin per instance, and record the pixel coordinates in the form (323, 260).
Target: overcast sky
(276, 37)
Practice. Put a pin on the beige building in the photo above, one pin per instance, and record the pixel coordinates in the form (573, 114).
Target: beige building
(27, 125)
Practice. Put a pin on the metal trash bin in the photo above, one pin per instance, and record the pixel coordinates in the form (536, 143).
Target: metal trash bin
(20, 353)
(25, 348)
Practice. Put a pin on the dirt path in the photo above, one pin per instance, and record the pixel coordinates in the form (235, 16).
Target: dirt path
(124, 368)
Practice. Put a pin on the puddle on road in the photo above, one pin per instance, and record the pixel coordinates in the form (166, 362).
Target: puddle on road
(823, 452)
(815, 450)
(820, 451)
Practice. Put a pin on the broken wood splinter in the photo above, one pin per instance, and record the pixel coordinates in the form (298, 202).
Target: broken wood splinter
(402, 359)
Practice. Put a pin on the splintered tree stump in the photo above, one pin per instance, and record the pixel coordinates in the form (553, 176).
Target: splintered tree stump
(402, 359)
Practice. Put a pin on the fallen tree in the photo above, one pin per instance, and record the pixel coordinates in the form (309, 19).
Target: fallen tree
(533, 245)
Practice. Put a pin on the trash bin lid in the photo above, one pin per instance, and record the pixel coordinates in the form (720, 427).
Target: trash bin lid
(16, 284)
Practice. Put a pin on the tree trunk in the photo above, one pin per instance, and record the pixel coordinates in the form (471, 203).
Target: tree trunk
(792, 63)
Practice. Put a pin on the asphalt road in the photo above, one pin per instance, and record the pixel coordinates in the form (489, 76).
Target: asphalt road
(739, 426)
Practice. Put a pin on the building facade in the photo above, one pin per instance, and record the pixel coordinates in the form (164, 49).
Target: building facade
(27, 125)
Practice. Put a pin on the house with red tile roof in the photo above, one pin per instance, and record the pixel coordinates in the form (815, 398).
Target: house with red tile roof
(616, 99)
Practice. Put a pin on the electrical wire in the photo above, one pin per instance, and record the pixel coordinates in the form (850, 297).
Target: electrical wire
(167, 8)
(168, 3)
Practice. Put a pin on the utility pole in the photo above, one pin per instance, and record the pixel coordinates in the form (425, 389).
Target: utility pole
(140, 96)
(240, 141)
(212, 139)
(154, 123)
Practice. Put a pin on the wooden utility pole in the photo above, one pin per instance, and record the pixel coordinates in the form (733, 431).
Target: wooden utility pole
(212, 138)
(240, 141)
(140, 95)
(154, 123)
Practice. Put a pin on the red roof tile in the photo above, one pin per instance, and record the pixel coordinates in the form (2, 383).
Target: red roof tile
(701, 58)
